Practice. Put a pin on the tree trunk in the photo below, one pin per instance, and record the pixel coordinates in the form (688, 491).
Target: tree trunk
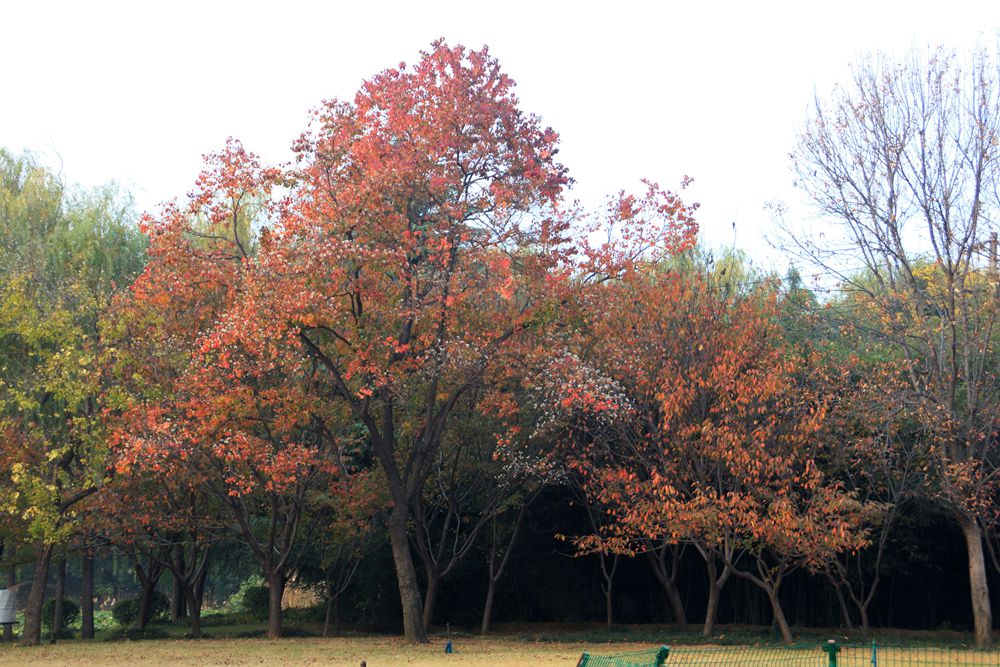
(981, 611)
(676, 604)
(712, 611)
(58, 615)
(192, 595)
(87, 594)
(144, 608)
(430, 599)
(715, 585)
(198, 592)
(328, 615)
(609, 586)
(495, 570)
(276, 590)
(8, 630)
(488, 607)
(194, 613)
(145, 602)
(332, 613)
(177, 603)
(865, 626)
(779, 616)
(668, 583)
(148, 578)
(608, 603)
(32, 635)
(842, 603)
(406, 576)
(716, 582)
(193, 591)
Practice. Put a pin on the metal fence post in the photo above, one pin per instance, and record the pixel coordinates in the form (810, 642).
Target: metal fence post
(874, 654)
(831, 649)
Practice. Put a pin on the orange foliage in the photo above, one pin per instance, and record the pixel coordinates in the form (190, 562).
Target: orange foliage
(721, 425)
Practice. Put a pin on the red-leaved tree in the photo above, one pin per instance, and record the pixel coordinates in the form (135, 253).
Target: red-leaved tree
(220, 391)
(420, 251)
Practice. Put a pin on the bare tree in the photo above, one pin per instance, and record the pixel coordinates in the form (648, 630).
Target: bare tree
(903, 161)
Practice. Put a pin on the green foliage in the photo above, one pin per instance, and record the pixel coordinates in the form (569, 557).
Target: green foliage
(126, 612)
(256, 601)
(71, 611)
(314, 614)
(104, 620)
(63, 254)
(253, 598)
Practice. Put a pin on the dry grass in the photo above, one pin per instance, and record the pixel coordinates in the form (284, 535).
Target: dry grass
(376, 651)
(469, 651)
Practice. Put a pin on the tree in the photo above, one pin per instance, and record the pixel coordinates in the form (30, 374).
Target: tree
(197, 256)
(346, 535)
(419, 252)
(483, 471)
(519, 468)
(904, 161)
(705, 430)
(161, 520)
(229, 402)
(63, 255)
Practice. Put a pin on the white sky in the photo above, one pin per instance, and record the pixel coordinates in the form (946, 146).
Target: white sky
(138, 91)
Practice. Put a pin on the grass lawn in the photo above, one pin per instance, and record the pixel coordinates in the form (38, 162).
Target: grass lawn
(384, 651)
(233, 641)
(376, 651)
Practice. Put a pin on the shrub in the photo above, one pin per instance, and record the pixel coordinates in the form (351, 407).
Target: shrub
(314, 614)
(159, 606)
(126, 612)
(71, 611)
(252, 598)
(257, 601)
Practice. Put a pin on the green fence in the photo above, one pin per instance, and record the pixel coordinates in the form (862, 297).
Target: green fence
(652, 658)
(873, 655)
(726, 656)
(830, 654)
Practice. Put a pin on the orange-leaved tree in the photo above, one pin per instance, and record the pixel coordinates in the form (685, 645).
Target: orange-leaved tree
(710, 433)
(218, 390)
(581, 402)
(421, 250)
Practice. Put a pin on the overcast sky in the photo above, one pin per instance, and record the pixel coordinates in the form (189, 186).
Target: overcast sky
(138, 91)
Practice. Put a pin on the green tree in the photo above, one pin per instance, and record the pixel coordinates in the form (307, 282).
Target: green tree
(63, 254)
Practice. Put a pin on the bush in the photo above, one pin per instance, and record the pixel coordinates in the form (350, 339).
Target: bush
(257, 601)
(159, 606)
(252, 598)
(126, 612)
(314, 614)
(71, 611)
